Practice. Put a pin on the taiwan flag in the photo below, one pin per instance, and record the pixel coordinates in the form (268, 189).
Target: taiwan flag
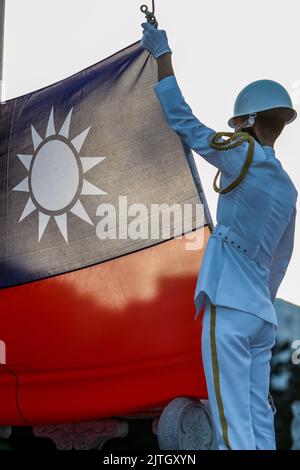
(97, 280)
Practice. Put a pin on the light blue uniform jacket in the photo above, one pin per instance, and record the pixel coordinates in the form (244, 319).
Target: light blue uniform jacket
(261, 210)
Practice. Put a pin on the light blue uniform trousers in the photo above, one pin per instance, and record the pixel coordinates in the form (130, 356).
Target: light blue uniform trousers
(236, 352)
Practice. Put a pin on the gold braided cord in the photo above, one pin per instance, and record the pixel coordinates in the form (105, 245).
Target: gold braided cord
(235, 139)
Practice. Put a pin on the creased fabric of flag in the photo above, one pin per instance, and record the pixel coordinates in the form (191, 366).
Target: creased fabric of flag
(95, 326)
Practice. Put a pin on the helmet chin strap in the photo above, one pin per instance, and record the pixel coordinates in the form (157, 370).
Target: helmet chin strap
(248, 126)
(249, 123)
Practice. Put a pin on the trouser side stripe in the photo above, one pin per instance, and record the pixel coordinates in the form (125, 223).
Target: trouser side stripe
(216, 374)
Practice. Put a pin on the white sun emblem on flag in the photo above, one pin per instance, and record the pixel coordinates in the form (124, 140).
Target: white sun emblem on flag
(55, 178)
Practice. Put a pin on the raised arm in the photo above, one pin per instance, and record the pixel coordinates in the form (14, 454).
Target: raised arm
(179, 115)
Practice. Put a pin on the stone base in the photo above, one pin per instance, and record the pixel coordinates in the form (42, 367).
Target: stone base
(83, 436)
(185, 424)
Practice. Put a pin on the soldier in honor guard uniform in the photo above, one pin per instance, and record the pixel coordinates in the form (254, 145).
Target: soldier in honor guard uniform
(248, 252)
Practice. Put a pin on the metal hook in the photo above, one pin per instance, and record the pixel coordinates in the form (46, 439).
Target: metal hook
(150, 16)
(144, 8)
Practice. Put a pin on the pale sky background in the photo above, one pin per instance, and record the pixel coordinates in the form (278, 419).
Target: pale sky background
(218, 48)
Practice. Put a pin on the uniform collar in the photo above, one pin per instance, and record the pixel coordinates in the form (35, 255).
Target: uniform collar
(269, 151)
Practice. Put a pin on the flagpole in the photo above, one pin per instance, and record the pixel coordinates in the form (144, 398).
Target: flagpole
(2, 14)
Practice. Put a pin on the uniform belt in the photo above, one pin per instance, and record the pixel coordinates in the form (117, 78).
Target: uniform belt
(254, 251)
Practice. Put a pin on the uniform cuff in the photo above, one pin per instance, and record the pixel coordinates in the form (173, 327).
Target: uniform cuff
(167, 83)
